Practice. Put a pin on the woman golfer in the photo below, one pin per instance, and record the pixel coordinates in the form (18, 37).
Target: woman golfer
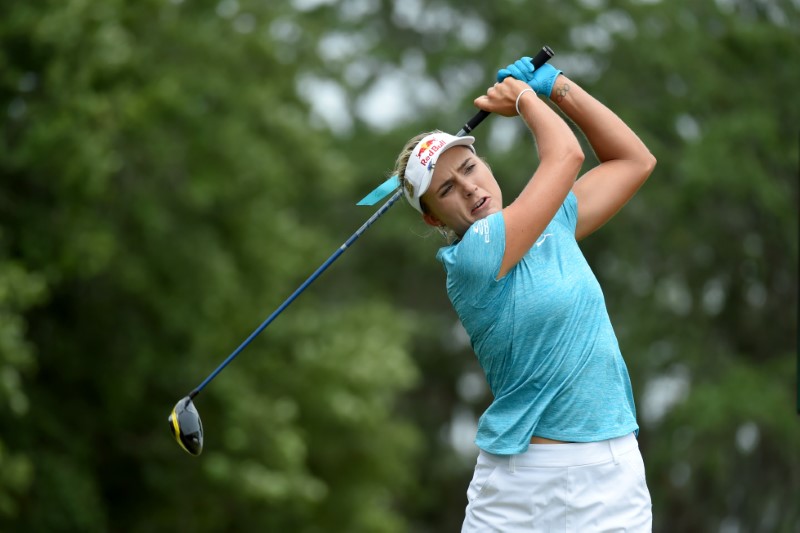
(558, 448)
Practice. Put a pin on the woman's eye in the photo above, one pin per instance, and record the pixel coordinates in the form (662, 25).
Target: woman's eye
(446, 189)
(470, 167)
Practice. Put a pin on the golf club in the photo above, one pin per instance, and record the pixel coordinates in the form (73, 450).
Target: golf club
(184, 420)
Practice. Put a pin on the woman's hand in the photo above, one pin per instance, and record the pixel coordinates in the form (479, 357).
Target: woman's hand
(501, 97)
(540, 80)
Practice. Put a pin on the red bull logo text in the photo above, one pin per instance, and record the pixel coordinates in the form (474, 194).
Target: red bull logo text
(431, 147)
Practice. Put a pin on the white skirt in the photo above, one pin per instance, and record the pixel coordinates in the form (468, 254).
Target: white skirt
(581, 487)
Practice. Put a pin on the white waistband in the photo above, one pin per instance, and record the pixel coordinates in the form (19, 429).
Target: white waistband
(571, 454)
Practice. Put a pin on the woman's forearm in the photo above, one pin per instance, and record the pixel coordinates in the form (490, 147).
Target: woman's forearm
(609, 136)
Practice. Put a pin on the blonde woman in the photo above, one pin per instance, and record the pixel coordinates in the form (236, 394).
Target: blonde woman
(558, 448)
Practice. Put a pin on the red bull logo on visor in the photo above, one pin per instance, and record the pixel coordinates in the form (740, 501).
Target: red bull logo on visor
(432, 146)
(424, 147)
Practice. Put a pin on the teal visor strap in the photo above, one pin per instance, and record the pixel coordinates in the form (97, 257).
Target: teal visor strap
(381, 192)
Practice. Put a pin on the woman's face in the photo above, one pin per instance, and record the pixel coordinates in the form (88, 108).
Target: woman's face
(462, 191)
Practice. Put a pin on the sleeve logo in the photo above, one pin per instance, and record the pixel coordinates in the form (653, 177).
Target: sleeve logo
(481, 227)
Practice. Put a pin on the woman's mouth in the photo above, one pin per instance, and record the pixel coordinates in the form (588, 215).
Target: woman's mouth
(481, 203)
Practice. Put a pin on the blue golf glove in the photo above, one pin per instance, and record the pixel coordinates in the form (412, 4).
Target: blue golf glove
(540, 80)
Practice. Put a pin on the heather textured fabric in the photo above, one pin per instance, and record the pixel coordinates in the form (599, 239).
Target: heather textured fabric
(542, 335)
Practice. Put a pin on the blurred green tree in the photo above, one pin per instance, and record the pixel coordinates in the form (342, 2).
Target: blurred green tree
(161, 191)
(171, 171)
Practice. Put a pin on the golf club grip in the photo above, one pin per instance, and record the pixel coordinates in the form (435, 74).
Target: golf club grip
(541, 58)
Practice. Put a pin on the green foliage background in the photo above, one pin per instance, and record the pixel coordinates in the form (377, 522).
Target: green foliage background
(170, 171)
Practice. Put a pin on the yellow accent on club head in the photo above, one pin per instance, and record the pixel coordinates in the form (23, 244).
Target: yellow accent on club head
(176, 431)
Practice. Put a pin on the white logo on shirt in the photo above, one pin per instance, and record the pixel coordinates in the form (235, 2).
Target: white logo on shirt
(481, 227)
(543, 238)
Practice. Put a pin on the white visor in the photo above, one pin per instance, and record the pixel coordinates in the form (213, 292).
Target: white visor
(422, 162)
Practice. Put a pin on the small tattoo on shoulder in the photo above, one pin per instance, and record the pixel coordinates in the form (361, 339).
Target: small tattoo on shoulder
(561, 92)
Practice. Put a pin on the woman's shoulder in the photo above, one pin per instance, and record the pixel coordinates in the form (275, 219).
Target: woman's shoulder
(484, 238)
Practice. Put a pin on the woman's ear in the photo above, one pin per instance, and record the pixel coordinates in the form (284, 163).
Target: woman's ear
(431, 220)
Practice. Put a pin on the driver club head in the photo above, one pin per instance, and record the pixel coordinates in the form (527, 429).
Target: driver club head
(186, 427)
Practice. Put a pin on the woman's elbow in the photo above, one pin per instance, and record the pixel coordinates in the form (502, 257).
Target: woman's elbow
(648, 164)
(574, 157)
